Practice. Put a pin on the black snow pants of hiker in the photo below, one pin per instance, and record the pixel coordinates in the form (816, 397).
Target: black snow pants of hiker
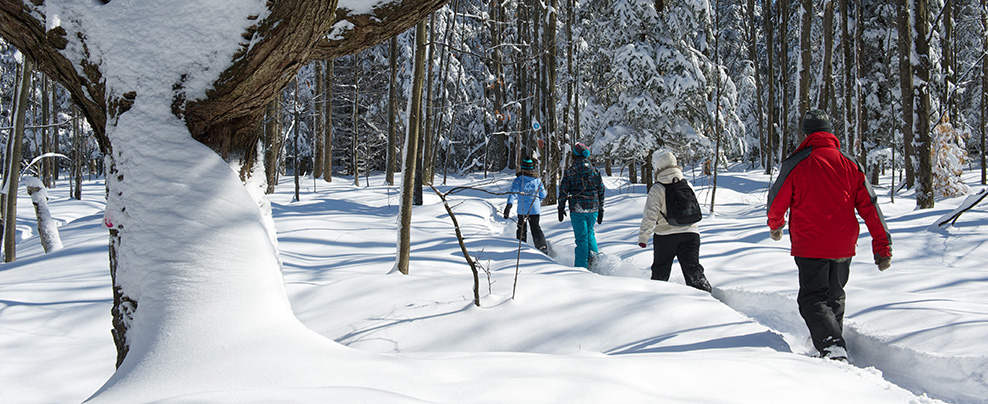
(686, 248)
(537, 235)
(821, 299)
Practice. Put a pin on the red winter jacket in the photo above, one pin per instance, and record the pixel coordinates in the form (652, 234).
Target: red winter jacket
(821, 188)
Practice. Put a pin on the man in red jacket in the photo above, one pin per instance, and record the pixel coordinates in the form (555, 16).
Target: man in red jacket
(821, 188)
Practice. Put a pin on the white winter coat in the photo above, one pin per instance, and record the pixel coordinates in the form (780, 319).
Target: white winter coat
(653, 221)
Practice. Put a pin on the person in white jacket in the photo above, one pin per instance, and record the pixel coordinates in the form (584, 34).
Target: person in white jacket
(669, 241)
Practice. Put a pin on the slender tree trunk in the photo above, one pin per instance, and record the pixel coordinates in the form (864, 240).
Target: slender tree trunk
(551, 161)
(771, 140)
(717, 126)
(318, 133)
(296, 117)
(428, 135)
(753, 56)
(849, 84)
(411, 150)
(948, 104)
(79, 156)
(13, 169)
(860, 106)
(354, 158)
(906, 88)
(828, 59)
(327, 154)
(46, 131)
(784, 15)
(391, 155)
(924, 189)
(806, 56)
(272, 145)
(984, 89)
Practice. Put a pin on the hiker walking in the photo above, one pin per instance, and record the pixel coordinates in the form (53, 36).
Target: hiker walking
(528, 191)
(670, 217)
(821, 189)
(582, 187)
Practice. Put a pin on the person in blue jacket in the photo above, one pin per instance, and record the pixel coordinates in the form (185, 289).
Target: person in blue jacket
(527, 190)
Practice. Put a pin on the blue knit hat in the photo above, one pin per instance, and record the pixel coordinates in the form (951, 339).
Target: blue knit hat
(581, 150)
(527, 164)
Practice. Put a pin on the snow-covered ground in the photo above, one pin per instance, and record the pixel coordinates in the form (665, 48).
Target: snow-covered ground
(545, 331)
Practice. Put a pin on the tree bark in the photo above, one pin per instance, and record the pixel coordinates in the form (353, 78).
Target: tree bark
(327, 169)
(291, 34)
(828, 57)
(924, 144)
(13, 168)
(906, 88)
(391, 155)
(984, 90)
(354, 158)
(806, 56)
(411, 151)
(318, 132)
(771, 139)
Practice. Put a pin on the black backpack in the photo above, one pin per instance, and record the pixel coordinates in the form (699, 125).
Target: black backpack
(682, 209)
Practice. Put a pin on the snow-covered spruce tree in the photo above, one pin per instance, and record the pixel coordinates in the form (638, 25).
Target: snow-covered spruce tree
(175, 92)
(648, 78)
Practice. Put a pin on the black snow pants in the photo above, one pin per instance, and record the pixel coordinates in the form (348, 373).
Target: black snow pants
(537, 235)
(821, 299)
(685, 247)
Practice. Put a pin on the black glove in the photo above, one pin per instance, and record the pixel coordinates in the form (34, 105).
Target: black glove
(883, 263)
(562, 211)
(600, 216)
(507, 211)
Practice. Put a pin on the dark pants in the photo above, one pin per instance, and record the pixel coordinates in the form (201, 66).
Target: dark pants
(685, 247)
(533, 224)
(821, 299)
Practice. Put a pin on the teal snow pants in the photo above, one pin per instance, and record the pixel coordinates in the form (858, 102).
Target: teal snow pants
(586, 241)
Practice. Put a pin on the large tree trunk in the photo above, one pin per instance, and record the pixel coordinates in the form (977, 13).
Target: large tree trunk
(195, 258)
(924, 188)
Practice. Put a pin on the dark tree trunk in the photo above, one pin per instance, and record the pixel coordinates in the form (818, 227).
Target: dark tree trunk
(906, 88)
(924, 189)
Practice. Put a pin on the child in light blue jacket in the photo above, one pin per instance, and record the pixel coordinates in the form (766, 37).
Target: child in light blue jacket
(527, 190)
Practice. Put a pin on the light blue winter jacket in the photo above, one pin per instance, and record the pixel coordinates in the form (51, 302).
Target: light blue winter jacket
(529, 193)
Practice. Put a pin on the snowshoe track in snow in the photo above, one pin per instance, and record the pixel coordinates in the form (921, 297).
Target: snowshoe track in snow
(941, 377)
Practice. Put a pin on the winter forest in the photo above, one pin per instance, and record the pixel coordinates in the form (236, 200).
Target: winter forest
(715, 81)
(195, 124)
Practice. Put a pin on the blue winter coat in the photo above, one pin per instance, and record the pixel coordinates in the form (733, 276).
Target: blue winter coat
(529, 193)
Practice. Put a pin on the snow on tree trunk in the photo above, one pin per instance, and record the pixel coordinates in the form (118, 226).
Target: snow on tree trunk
(175, 92)
(47, 228)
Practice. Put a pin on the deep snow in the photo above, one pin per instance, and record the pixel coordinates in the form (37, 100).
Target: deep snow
(569, 335)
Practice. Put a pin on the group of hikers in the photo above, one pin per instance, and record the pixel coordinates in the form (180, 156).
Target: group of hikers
(818, 186)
